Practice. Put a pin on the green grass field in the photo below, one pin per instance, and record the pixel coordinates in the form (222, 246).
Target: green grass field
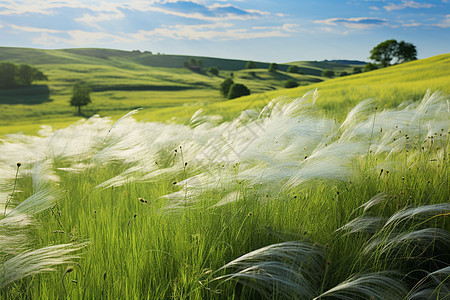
(122, 81)
(284, 194)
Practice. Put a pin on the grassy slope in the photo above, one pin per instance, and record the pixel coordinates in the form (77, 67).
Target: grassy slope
(124, 80)
(390, 87)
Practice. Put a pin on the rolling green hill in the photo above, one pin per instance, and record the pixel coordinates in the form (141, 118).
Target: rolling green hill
(124, 80)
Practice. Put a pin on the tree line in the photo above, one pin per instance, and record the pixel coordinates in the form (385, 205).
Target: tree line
(14, 76)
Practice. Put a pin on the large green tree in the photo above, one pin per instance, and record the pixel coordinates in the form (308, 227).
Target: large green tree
(13, 76)
(238, 90)
(225, 86)
(80, 95)
(391, 51)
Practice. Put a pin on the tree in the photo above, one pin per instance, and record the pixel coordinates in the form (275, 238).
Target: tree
(406, 52)
(250, 65)
(328, 73)
(290, 83)
(8, 73)
(273, 67)
(293, 69)
(214, 70)
(389, 50)
(357, 70)
(238, 90)
(80, 95)
(13, 76)
(225, 86)
(343, 73)
(369, 67)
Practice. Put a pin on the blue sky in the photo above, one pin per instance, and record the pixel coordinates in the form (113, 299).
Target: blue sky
(264, 30)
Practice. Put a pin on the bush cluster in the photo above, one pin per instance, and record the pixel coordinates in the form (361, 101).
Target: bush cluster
(13, 76)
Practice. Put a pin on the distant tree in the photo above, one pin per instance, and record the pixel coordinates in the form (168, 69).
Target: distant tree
(8, 73)
(225, 86)
(80, 95)
(12, 76)
(406, 52)
(250, 65)
(214, 70)
(290, 83)
(273, 67)
(357, 70)
(343, 73)
(369, 67)
(293, 69)
(252, 73)
(385, 52)
(328, 73)
(238, 90)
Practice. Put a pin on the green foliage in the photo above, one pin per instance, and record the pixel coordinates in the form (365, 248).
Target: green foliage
(370, 67)
(328, 73)
(290, 83)
(293, 69)
(389, 50)
(357, 70)
(214, 70)
(343, 73)
(238, 90)
(273, 67)
(250, 65)
(80, 95)
(13, 76)
(225, 86)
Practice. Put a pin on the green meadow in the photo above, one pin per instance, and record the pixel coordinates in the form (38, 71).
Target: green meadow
(122, 81)
(336, 189)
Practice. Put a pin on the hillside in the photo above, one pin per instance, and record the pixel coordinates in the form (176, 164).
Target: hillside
(124, 80)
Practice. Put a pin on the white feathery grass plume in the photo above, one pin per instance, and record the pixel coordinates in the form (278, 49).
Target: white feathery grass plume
(364, 224)
(16, 220)
(357, 114)
(128, 115)
(12, 244)
(375, 200)
(433, 286)
(419, 239)
(421, 211)
(378, 286)
(39, 201)
(230, 197)
(285, 270)
(37, 261)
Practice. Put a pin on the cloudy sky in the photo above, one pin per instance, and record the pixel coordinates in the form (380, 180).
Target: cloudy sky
(263, 30)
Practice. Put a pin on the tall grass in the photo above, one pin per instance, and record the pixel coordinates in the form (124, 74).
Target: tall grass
(277, 203)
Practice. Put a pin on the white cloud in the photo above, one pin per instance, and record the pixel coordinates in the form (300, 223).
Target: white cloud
(444, 23)
(219, 31)
(290, 27)
(79, 38)
(101, 17)
(34, 29)
(406, 4)
(354, 23)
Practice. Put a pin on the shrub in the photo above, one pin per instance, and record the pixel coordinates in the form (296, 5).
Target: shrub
(214, 70)
(357, 70)
(273, 67)
(238, 90)
(225, 86)
(370, 67)
(250, 65)
(290, 83)
(328, 73)
(293, 69)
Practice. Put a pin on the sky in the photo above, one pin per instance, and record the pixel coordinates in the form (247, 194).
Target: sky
(263, 30)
